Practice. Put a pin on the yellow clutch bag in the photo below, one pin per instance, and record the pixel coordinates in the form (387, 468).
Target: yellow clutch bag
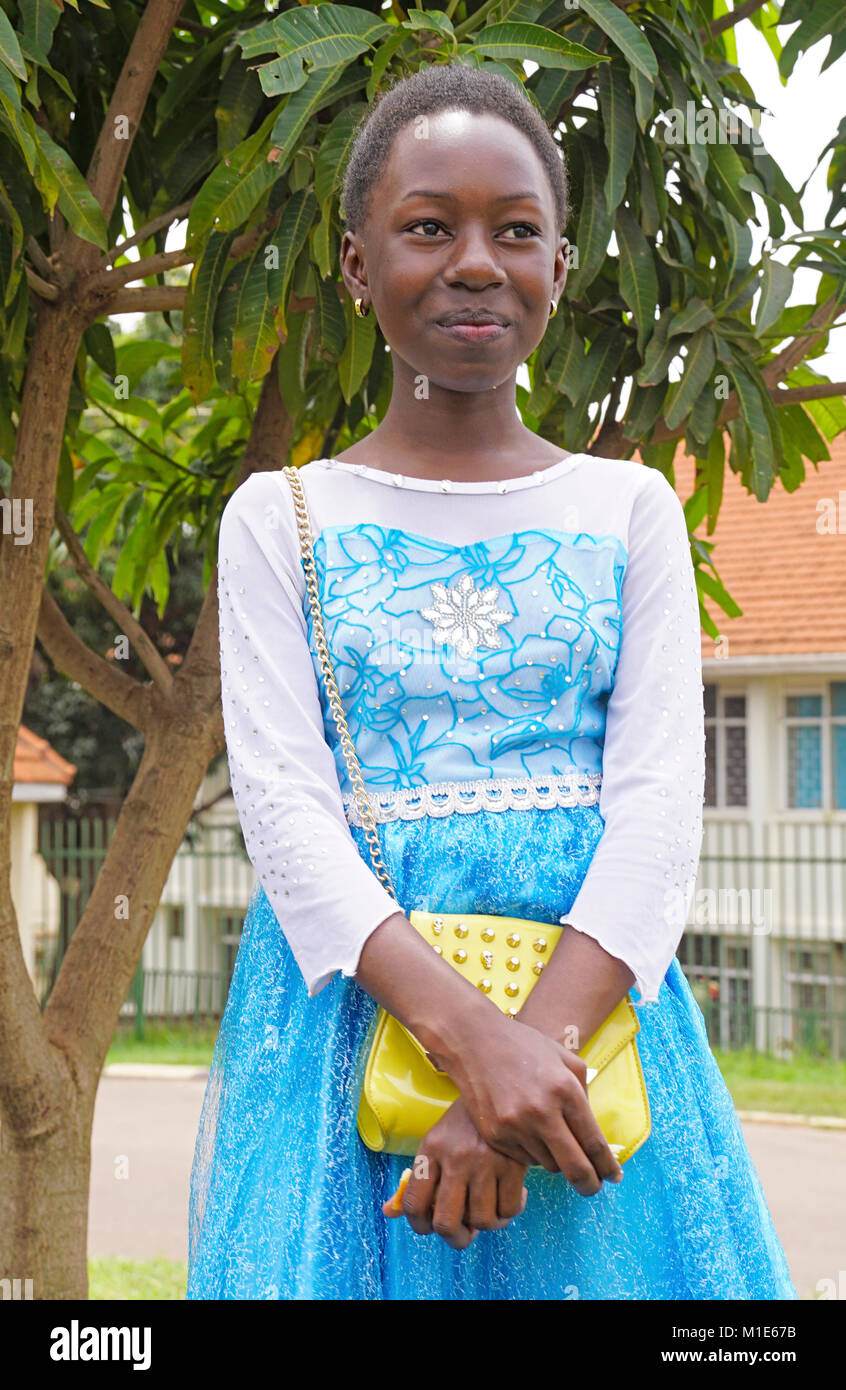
(403, 1093)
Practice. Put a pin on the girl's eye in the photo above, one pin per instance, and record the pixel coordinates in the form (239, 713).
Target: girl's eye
(429, 222)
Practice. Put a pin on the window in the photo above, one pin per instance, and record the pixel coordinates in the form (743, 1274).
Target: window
(725, 748)
(816, 748)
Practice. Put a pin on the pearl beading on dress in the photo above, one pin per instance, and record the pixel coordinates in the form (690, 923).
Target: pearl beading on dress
(539, 475)
(572, 788)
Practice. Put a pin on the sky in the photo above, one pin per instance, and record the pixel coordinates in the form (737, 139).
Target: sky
(801, 119)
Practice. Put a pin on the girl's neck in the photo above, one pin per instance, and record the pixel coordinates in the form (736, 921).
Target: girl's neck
(469, 436)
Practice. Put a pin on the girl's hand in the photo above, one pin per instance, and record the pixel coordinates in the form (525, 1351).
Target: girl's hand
(526, 1095)
(459, 1185)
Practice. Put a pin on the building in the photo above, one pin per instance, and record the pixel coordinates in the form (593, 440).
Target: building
(40, 776)
(765, 940)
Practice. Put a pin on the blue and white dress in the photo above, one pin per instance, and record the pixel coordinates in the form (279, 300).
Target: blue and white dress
(519, 664)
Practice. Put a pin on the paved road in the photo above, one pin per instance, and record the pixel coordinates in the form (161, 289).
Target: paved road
(144, 1134)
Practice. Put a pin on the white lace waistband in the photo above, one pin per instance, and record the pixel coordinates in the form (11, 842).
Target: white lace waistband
(572, 788)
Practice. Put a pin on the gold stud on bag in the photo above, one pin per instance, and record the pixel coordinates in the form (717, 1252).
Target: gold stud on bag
(403, 1093)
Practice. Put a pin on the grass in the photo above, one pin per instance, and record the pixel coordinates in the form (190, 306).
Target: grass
(192, 1047)
(112, 1277)
(801, 1085)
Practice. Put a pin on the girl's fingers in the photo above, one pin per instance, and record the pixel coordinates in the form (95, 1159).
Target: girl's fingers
(481, 1211)
(448, 1215)
(418, 1200)
(511, 1194)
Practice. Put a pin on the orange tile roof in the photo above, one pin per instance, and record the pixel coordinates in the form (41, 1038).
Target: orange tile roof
(777, 561)
(36, 761)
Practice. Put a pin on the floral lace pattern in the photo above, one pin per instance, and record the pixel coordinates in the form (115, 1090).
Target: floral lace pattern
(494, 794)
(420, 711)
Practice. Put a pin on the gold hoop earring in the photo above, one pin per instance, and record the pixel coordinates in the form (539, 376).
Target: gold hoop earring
(362, 313)
(554, 310)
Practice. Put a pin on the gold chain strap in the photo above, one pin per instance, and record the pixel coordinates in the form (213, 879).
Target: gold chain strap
(363, 801)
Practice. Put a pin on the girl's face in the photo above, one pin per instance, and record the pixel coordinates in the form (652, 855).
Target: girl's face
(462, 218)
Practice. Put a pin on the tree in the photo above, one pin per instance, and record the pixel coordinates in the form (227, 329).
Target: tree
(242, 124)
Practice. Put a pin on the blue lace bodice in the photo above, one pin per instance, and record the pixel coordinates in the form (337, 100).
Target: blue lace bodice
(484, 661)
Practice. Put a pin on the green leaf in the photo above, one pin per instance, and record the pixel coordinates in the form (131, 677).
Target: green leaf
(38, 59)
(329, 319)
(699, 364)
(695, 314)
(638, 277)
(335, 149)
(799, 427)
(435, 20)
(644, 92)
(239, 99)
(254, 339)
(754, 417)
(631, 41)
(325, 36)
(620, 130)
(227, 198)
(10, 52)
(358, 350)
(59, 173)
(323, 88)
(566, 370)
(291, 362)
(644, 408)
(738, 241)
(724, 172)
(288, 240)
(532, 43)
(99, 345)
(600, 367)
(716, 473)
(40, 18)
(595, 224)
(712, 586)
(199, 313)
(703, 418)
(776, 284)
(817, 21)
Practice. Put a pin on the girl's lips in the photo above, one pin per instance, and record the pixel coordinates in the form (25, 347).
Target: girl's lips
(474, 332)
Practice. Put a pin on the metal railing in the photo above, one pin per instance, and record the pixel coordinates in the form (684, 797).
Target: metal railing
(764, 948)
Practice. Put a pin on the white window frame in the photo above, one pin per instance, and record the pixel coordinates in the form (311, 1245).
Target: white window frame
(826, 722)
(718, 722)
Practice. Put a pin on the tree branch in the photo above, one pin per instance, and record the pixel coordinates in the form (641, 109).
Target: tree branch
(129, 98)
(42, 288)
(817, 326)
(140, 270)
(148, 230)
(147, 299)
(146, 649)
(794, 395)
(728, 21)
(773, 373)
(119, 692)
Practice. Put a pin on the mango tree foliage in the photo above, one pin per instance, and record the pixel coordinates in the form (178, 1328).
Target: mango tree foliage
(670, 327)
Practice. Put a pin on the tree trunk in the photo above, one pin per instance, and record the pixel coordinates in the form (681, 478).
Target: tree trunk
(44, 1181)
(45, 1156)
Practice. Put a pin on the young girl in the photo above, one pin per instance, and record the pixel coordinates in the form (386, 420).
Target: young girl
(515, 637)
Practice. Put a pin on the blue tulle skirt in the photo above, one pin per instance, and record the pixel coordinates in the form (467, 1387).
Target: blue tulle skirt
(285, 1200)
